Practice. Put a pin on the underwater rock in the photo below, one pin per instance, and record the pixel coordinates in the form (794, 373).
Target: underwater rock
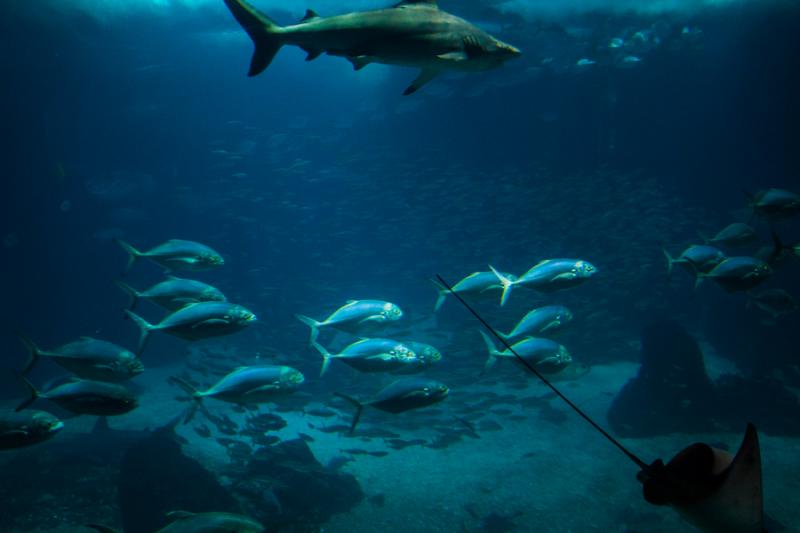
(156, 478)
(671, 392)
(287, 489)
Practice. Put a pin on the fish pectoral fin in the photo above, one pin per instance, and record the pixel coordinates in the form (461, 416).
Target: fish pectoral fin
(267, 387)
(564, 275)
(373, 318)
(211, 322)
(454, 56)
(359, 62)
(185, 301)
(425, 75)
(11, 432)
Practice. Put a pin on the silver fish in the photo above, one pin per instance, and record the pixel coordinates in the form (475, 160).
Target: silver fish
(18, 430)
(176, 254)
(197, 321)
(88, 358)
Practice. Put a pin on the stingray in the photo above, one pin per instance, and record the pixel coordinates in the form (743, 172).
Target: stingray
(707, 486)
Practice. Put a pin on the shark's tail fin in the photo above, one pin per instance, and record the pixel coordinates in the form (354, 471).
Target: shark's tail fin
(262, 30)
(359, 408)
(507, 284)
(33, 350)
(133, 293)
(313, 324)
(326, 357)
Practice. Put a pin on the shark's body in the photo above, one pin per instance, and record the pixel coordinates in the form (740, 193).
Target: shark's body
(413, 33)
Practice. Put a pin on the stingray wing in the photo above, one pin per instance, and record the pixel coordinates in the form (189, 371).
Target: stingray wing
(737, 504)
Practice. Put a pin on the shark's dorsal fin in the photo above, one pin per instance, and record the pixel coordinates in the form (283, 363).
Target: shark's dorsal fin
(310, 14)
(430, 3)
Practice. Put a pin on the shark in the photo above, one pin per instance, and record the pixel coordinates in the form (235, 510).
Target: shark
(412, 33)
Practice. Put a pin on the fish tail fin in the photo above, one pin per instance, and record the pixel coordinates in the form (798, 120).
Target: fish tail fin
(443, 292)
(145, 328)
(133, 293)
(34, 395)
(197, 398)
(262, 30)
(698, 280)
(359, 408)
(778, 247)
(670, 261)
(313, 324)
(133, 254)
(492, 349)
(326, 357)
(507, 284)
(33, 351)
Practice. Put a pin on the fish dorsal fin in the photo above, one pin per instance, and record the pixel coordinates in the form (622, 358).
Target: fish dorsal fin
(310, 14)
(179, 515)
(429, 3)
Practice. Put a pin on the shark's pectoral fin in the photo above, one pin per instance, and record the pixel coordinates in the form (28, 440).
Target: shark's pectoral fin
(359, 62)
(425, 75)
(312, 53)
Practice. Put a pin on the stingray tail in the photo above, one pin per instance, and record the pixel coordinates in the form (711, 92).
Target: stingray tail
(443, 292)
(145, 328)
(34, 394)
(326, 357)
(313, 324)
(133, 254)
(359, 408)
(507, 284)
(264, 32)
(33, 351)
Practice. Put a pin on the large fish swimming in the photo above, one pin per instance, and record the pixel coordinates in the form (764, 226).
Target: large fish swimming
(28, 427)
(88, 358)
(413, 33)
(197, 321)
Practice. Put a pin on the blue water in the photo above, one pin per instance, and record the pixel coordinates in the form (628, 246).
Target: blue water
(320, 185)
